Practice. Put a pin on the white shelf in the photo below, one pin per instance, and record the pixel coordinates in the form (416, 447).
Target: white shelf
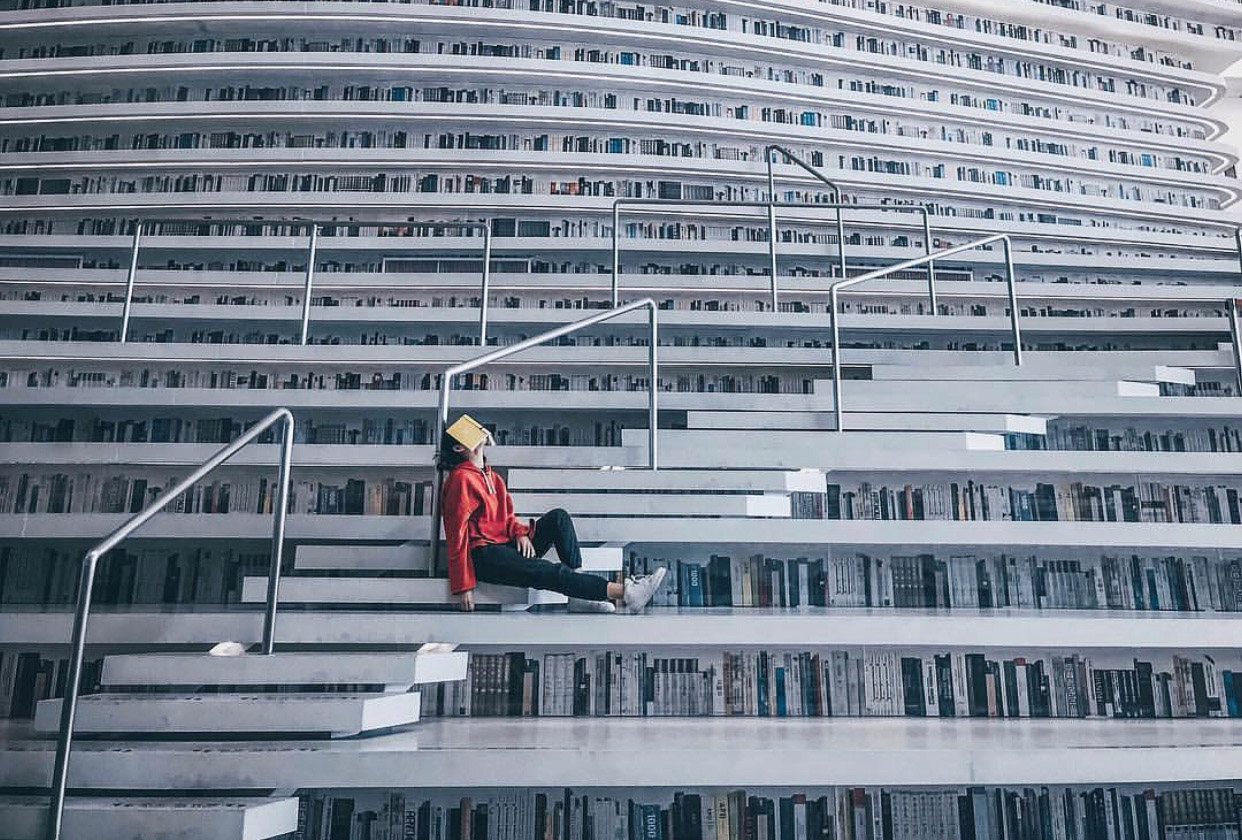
(124, 818)
(919, 535)
(658, 627)
(1155, 292)
(1119, 362)
(422, 317)
(859, 396)
(651, 752)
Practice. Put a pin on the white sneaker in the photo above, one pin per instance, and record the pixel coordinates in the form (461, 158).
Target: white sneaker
(582, 605)
(639, 591)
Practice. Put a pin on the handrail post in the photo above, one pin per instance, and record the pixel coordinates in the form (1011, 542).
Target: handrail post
(130, 279)
(840, 240)
(311, 248)
(772, 227)
(616, 252)
(447, 377)
(931, 264)
(1011, 279)
(838, 413)
(653, 389)
(486, 282)
(280, 514)
(86, 582)
(835, 288)
(1235, 333)
(69, 706)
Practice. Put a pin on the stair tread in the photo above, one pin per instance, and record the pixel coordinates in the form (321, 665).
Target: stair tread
(299, 668)
(152, 817)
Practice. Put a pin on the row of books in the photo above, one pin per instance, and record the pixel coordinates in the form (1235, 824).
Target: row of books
(26, 677)
(835, 683)
(148, 378)
(1066, 501)
(367, 431)
(84, 492)
(401, 431)
(47, 576)
(834, 813)
(1069, 435)
(844, 578)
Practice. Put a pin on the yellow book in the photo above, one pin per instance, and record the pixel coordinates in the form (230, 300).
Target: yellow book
(469, 432)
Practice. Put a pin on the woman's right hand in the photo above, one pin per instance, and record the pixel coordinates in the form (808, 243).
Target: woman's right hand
(467, 600)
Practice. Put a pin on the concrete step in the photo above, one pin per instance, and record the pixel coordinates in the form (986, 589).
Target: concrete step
(340, 715)
(408, 591)
(396, 671)
(865, 421)
(150, 818)
(1033, 372)
(652, 504)
(766, 481)
(405, 557)
(914, 392)
(372, 558)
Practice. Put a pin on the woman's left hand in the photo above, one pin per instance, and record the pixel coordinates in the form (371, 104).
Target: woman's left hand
(525, 547)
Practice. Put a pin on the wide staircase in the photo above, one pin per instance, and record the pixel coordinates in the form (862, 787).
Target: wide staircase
(241, 732)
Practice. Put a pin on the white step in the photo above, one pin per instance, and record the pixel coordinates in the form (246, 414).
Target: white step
(406, 557)
(896, 421)
(395, 671)
(1033, 372)
(677, 446)
(915, 392)
(374, 558)
(652, 504)
(811, 481)
(338, 714)
(429, 591)
(120, 818)
(609, 557)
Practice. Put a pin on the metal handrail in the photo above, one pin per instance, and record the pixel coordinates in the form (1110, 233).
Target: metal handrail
(653, 388)
(656, 203)
(790, 157)
(86, 581)
(313, 227)
(1235, 335)
(836, 288)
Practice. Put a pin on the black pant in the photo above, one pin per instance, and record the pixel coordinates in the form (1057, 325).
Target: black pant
(504, 564)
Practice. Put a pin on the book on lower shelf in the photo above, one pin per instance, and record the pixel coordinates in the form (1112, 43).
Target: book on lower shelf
(845, 578)
(1105, 812)
(825, 682)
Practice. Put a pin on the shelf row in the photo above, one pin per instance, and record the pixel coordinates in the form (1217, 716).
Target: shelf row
(669, 628)
(659, 752)
(702, 531)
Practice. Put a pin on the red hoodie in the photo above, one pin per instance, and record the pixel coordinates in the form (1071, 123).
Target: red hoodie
(477, 510)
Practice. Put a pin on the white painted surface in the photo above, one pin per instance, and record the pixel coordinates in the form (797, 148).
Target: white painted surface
(394, 670)
(430, 591)
(636, 505)
(675, 752)
(127, 818)
(657, 627)
(338, 714)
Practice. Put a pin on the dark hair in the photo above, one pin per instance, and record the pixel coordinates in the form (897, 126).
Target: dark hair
(448, 457)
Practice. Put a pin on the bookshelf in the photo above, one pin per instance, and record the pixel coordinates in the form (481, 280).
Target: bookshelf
(1021, 534)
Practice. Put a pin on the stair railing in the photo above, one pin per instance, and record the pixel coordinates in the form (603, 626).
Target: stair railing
(814, 172)
(655, 203)
(841, 285)
(653, 389)
(313, 228)
(86, 581)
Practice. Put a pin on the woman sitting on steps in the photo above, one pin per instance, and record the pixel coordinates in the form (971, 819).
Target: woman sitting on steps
(487, 542)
